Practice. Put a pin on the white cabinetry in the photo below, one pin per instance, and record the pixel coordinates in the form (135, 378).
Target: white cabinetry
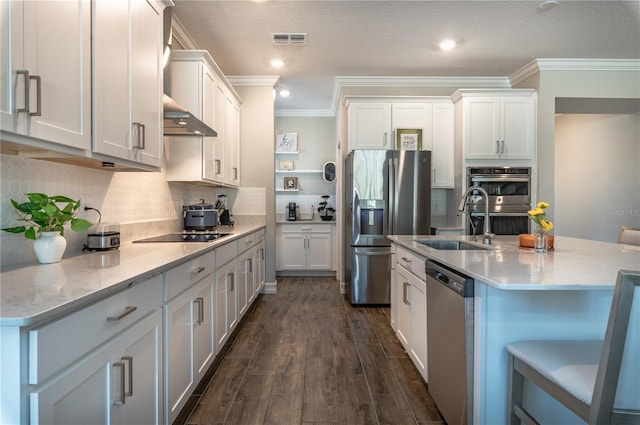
(370, 126)
(188, 329)
(260, 273)
(118, 382)
(409, 306)
(303, 247)
(497, 124)
(127, 61)
(374, 121)
(226, 292)
(198, 85)
(45, 88)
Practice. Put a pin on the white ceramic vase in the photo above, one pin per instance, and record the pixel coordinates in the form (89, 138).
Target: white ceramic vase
(49, 247)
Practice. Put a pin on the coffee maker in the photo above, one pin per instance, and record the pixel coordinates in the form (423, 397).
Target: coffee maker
(292, 211)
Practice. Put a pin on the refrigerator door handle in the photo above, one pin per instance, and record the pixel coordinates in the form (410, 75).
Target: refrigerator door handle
(391, 198)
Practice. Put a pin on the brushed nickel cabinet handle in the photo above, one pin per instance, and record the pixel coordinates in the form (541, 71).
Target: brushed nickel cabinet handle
(129, 393)
(233, 285)
(127, 311)
(122, 400)
(143, 145)
(497, 146)
(198, 270)
(406, 260)
(217, 161)
(38, 111)
(25, 73)
(200, 317)
(405, 299)
(250, 264)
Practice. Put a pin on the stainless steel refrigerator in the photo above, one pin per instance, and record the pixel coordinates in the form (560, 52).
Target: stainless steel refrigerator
(386, 193)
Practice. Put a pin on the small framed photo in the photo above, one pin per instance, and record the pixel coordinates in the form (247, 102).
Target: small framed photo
(291, 183)
(408, 139)
(287, 143)
(285, 165)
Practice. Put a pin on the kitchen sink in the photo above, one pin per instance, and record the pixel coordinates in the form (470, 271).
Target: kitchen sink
(449, 245)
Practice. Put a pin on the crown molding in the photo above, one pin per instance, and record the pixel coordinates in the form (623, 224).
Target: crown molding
(253, 80)
(538, 65)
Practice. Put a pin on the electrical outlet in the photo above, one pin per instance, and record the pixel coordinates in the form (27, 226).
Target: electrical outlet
(85, 201)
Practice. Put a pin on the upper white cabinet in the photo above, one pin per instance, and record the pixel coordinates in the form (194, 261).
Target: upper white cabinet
(497, 124)
(435, 118)
(198, 85)
(127, 60)
(370, 126)
(45, 58)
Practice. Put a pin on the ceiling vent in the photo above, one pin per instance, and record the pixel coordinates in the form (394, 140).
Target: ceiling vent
(289, 38)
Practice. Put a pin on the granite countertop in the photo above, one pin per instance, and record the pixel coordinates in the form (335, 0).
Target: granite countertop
(44, 291)
(574, 264)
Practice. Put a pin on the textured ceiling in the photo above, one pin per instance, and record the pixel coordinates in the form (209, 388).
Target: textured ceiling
(399, 38)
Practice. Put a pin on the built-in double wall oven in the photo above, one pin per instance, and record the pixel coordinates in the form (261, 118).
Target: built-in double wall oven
(509, 190)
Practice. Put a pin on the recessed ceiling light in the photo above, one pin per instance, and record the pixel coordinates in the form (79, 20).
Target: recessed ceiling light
(447, 44)
(277, 63)
(284, 93)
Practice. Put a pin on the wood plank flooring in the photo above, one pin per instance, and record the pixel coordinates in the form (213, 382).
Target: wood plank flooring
(305, 356)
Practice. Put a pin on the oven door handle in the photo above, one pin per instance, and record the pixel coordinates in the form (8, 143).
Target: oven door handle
(500, 214)
(508, 179)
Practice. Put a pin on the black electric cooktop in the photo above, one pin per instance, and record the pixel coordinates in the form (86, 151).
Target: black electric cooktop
(185, 237)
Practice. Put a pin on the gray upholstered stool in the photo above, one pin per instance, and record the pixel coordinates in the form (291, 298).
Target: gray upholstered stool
(598, 380)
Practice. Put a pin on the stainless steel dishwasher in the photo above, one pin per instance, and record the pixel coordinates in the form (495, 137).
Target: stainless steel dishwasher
(450, 342)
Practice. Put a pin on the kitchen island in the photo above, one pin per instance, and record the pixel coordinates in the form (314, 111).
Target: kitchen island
(519, 294)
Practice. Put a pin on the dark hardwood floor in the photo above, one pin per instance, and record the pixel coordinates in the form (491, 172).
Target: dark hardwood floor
(306, 356)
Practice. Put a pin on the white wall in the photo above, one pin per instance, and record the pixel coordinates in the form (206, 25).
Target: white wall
(598, 174)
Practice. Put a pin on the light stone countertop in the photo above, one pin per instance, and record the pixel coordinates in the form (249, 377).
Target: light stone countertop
(41, 292)
(574, 264)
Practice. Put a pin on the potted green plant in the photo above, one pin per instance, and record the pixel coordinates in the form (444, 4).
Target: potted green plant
(326, 212)
(46, 219)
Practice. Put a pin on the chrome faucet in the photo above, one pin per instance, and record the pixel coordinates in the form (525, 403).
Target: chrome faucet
(487, 235)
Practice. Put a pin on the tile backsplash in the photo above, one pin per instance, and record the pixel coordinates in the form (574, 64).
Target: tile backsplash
(133, 199)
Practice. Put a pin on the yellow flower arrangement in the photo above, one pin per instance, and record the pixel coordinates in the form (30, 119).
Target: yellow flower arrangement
(539, 216)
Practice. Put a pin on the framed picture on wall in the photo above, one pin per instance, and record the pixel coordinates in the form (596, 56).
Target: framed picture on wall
(287, 143)
(285, 165)
(290, 183)
(408, 139)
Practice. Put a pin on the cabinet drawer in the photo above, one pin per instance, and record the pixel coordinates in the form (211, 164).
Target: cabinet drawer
(60, 343)
(182, 277)
(306, 228)
(249, 241)
(411, 261)
(226, 253)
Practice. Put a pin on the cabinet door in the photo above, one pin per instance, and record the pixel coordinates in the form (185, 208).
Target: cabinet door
(204, 342)
(209, 117)
(245, 281)
(232, 143)
(518, 127)
(146, 82)
(260, 270)
(414, 116)
(78, 397)
(418, 351)
(370, 126)
(319, 251)
(292, 251)
(141, 357)
(220, 122)
(58, 108)
(178, 332)
(481, 127)
(442, 159)
(226, 307)
(403, 315)
(112, 132)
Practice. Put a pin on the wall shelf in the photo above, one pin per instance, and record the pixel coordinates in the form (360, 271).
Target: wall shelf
(300, 171)
(288, 190)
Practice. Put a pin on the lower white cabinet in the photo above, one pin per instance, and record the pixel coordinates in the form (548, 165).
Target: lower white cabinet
(245, 281)
(190, 344)
(259, 275)
(304, 247)
(226, 307)
(409, 307)
(119, 383)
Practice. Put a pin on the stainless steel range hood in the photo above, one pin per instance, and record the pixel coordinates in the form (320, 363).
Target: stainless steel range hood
(178, 121)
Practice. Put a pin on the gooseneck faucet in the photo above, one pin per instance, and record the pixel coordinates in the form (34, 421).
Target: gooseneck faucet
(487, 235)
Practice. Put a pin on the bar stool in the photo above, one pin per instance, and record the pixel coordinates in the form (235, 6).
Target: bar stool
(598, 380)
(629, 235)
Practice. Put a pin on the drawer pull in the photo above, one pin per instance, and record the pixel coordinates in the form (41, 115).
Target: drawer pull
(249, 242)
(406, 260)
(127, 311)
(197, 270)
